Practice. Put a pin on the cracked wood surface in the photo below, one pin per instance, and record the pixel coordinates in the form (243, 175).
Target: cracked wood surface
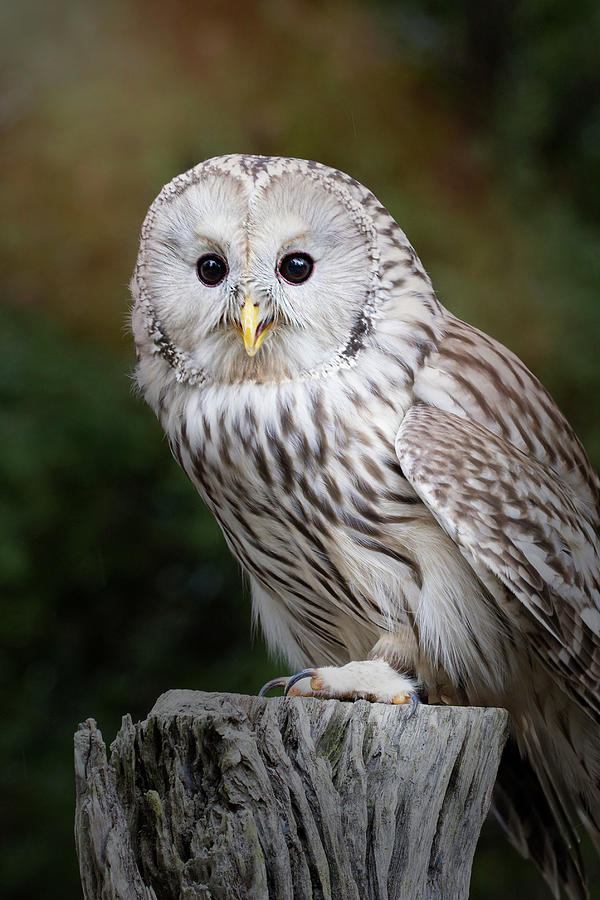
(233, 796)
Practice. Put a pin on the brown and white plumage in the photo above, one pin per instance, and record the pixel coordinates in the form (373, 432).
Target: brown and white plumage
(395, 483)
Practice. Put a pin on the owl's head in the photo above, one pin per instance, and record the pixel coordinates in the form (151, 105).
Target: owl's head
(259, 268)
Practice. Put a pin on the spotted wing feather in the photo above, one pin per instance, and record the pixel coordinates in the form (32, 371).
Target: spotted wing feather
(515, 516)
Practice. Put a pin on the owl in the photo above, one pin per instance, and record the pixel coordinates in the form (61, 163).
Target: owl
(415, 516)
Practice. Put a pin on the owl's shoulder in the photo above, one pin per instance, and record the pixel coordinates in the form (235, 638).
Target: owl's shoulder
(476, 377)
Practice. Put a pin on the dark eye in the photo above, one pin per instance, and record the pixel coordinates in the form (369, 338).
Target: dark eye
(296, 267)
(211, 269)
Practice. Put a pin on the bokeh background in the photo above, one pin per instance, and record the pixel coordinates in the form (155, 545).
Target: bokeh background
(476, 123)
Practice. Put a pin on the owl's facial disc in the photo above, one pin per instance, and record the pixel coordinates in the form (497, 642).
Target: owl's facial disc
(255, 278)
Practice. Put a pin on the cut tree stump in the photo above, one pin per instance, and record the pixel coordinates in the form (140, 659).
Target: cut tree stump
(232, 796)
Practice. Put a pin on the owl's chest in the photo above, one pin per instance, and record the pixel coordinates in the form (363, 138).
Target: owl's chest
(310, 496)
(275, 463)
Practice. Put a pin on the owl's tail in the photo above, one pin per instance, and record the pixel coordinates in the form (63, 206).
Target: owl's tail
(538, 824)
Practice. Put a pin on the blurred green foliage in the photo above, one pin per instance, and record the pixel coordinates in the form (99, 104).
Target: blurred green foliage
(477, 124)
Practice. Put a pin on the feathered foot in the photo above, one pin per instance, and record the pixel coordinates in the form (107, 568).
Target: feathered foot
(373, 680)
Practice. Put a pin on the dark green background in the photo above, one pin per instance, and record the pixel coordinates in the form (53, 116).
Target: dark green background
(476, 123)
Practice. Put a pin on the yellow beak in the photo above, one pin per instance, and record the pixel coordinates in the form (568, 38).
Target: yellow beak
(252, 333)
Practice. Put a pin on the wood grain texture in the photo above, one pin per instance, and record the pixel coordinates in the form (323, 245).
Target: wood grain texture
(232, 796)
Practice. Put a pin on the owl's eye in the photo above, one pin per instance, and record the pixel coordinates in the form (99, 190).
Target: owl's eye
(211, 269)
(296, 267)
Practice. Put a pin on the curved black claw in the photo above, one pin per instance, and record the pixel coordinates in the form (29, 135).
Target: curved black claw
(414, 702)
(305, 673)
(274, 682)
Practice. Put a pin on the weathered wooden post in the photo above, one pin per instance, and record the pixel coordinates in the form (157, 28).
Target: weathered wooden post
(232, 796)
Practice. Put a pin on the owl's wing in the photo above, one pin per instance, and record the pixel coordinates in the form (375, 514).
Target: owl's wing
(513, 516)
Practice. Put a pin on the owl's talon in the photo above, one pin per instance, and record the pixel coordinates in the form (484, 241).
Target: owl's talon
(372, 680)
(305, 673)
(410, 697)
(282, 681)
